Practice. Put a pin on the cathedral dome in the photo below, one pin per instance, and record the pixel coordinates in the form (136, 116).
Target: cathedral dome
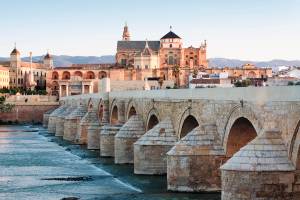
(170, 35)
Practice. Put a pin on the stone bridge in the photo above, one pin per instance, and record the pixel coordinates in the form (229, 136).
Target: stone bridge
(241, 141)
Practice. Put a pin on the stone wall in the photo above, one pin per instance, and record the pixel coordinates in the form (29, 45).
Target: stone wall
(26, 113)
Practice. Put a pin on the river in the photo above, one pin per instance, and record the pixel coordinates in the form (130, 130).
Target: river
(37, 165)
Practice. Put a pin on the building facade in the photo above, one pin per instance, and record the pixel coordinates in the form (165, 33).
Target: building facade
(4, 77)
(30, 74)
(169, 50)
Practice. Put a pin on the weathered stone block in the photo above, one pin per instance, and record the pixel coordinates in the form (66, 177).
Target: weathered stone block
(93, 137)
(194, 173)
(107, 140)
(70, 129)
(130, 132)
(59, 129)
(150, 159)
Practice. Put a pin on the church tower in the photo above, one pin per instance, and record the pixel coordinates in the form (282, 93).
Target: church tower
(15, 65)
(126, 34)
(15, 58)
(48, 61)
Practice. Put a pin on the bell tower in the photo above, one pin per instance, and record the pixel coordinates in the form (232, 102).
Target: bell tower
(126, 34)
(48, 61)
(15, 58)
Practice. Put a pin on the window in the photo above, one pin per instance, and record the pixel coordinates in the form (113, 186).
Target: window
(123, 61)
(146, 66)
(138, 67)
(170, 45)
(171, 60)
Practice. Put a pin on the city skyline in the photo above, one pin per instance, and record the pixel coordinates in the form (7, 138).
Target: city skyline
(243, 30)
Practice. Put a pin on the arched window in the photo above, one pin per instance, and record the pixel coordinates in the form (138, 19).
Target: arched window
(54, 75)
(66, 75)
(171, 60)
(90, 75)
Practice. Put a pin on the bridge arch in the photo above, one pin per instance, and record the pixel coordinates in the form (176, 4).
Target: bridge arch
(243, 125)
(90, 104)
(152, 119)
(114, 112)
(295, 147)
(100, 110)
(240, 134)
(187, 123)
(131, 109)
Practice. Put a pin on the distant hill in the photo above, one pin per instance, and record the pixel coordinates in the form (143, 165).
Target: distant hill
(65, 60)
(221, 62)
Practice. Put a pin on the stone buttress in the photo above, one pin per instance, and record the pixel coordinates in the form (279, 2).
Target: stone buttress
(194, 161)
(150, 150)
(260, 170)
(60, 120)
(72, 122)
(130, 132)
(89, 119)
(107, 138)
(46, 116)
(93, 134)
(53, 117)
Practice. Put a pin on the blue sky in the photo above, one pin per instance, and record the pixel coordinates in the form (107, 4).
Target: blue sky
(253, 30)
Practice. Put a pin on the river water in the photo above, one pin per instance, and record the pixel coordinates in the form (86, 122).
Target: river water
(36, 165)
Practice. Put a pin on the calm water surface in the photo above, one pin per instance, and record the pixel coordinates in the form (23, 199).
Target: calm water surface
(36, 165)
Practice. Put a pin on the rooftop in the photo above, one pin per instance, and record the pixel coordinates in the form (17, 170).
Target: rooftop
(170, 35)
(137, 45)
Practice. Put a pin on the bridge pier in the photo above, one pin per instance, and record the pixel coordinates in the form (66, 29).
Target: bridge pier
(46, 116)
(130, 132)
(260, 170)
(194, 161)
(60, 120)
(88, 120)
(52, 118)
(72, 122)
(107, 139)
(150, 150)
(93, 136)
